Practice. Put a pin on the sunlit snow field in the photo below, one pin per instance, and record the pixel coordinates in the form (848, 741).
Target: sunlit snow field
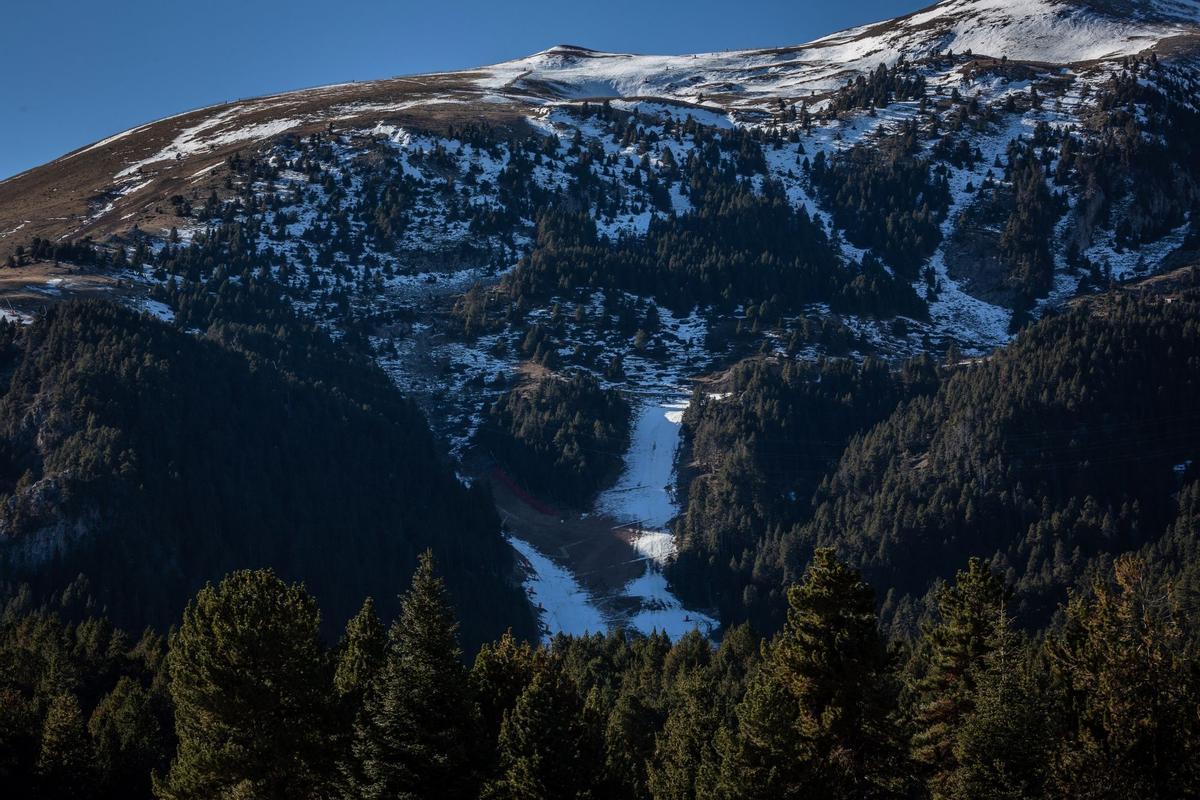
(642, 498)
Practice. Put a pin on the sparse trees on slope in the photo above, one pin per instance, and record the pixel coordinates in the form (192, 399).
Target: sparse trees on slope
(1025, 242)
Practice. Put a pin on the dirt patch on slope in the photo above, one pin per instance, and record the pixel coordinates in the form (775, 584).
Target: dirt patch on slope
(28, 289)
(593, 547)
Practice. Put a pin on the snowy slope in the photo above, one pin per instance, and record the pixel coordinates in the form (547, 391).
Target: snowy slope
(99, 189)
(1027, 30)
(1044, 31)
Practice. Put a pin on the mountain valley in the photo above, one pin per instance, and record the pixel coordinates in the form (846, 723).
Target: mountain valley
(920, 188)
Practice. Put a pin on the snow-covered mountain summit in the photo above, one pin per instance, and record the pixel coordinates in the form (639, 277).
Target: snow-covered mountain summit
(1046, 31)
(113, 184)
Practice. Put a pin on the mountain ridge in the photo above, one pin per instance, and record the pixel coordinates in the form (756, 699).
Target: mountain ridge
(648, 220)
(740, 84)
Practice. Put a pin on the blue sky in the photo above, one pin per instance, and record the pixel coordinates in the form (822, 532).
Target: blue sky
(73, 72)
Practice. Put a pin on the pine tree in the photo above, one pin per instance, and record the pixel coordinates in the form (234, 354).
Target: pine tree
(360, 654)
(952, 652)
(251, 686)
(418, 733)
(1131, 689)
(1000, 746)
(500, 673)
(128, 733)
(628, 741)
(548, 750)
(64, 765)
(817, 719)
(685, 759)
(18, 742)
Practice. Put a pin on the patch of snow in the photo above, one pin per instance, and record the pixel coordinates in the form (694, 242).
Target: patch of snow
(661, 611)
(155, 309)
(205, 136)
(1039, 30)
(658, 546)
(207, 169)
(644, 495)
(563, 605)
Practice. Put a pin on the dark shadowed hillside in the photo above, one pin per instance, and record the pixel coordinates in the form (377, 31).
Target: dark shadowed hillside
(1048, 458)
(151, 461)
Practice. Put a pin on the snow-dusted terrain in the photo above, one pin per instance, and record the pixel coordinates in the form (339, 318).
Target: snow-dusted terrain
(1035, 30)
(563, 605)
(730, 84)
(1070, 48)
(718, 90)
(643, 500)
(644, 496)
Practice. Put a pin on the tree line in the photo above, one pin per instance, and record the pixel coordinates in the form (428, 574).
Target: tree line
(245, 699)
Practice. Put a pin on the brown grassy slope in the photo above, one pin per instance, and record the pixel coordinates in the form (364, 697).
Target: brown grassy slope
(70, 197)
